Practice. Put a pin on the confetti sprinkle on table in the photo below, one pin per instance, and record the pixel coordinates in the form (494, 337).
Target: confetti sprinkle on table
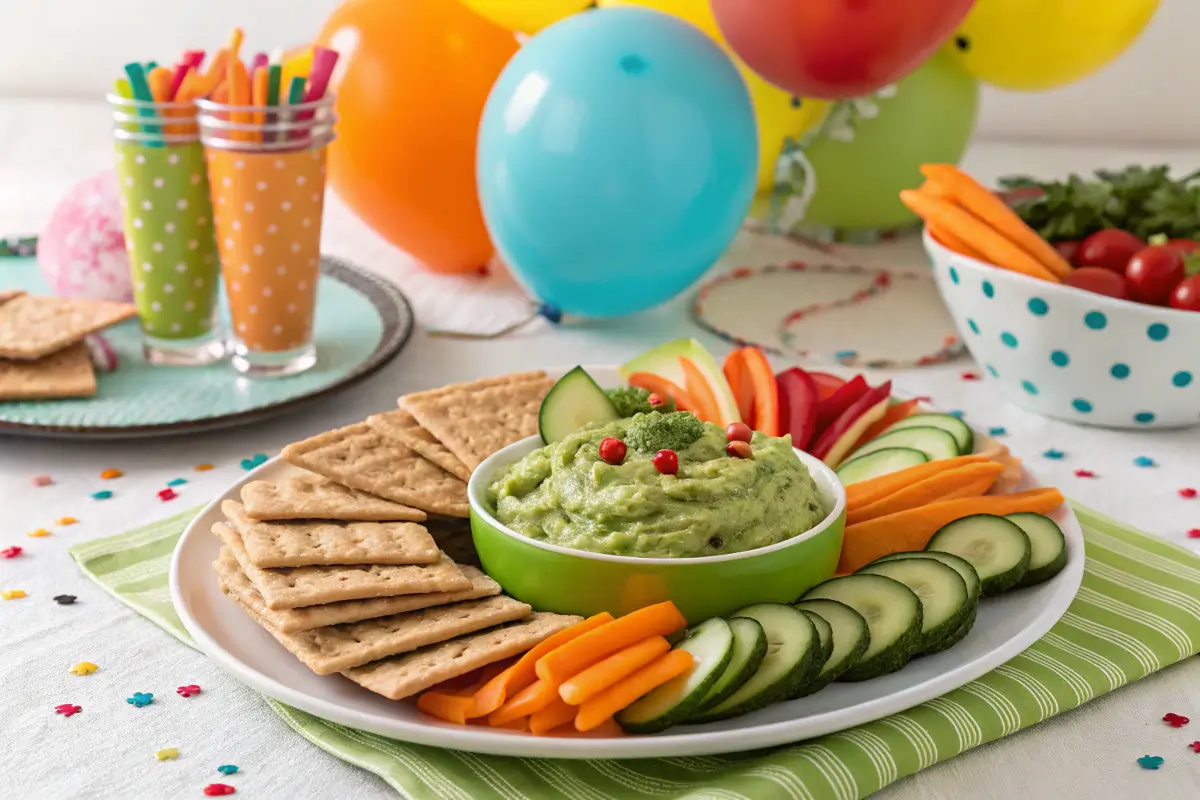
(188, 691)
(38, 533)
(166, 752)
(140, 699)
(12, 594)
(110, 474)
(167, 494)
(218, 789)
(203, 467)
(1054, 455)
(1175, 720)
(103, 494)
(997, 431)
(64, 521)
(10, 552)
(1150, 762)
(67, 709)
(1084, 473)
(1144, 461)
(177, 482)
(1195, 746)
(254, 461)
(64, 599)
(227, 769)
(41, 480)
(1188, 494)
(84, 668)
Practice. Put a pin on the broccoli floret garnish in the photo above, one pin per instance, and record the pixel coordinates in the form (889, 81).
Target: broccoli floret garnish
(649, 433)
(630, 400)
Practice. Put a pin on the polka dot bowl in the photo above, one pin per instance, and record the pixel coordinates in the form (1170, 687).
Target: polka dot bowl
(1070, 354)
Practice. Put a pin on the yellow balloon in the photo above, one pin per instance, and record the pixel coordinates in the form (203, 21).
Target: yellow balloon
(779, 115)
(1030, 45)
(525, 16)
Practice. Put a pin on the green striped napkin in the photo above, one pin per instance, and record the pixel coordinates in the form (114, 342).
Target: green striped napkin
(1137, 612)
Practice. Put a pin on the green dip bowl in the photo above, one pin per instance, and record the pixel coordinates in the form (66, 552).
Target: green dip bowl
(554, 578)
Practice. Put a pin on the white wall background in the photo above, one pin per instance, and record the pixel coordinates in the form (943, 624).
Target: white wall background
(75, 48)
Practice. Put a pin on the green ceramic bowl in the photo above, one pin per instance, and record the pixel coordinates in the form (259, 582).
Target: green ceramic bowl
(553, 578)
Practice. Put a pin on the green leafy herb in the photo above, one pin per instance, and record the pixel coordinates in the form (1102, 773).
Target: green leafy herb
(1145, 201)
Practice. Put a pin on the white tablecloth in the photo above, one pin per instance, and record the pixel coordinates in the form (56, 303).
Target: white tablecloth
(108, 749)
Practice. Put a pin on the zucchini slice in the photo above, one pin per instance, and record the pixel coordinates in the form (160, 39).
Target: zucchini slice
(749, 649)
(1047, 546)
(880, 462)
(945, 601)
(574, 401)
(935, 443)
(792, 644)
(711, 644)
(952, 425)
(997, 548)
(850, 640)
(893, 615)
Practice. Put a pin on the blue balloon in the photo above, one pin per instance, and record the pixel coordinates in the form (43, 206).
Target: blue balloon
(616, 161)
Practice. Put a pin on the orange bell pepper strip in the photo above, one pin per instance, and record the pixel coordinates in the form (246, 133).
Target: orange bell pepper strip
(555, 715)
(739, 383)
(701, 393)
(533, 697)
(577, 655)
(663, 387)
(603, 674)
(623, 693)
(497, 690)
(766, 393)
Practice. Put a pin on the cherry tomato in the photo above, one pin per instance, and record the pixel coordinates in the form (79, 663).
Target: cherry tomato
(1186, 296)
(1100, 281)
(1068, 249)
(655, 399)
(1153, 273)
(1184, 246)
(666, 462)
(612, 450)
(739, 449)
(1109, 248)
(738, 432)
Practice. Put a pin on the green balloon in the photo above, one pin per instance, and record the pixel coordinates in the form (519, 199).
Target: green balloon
(929, 119)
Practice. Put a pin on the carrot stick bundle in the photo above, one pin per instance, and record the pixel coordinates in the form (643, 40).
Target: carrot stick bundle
(868, 491)
(930, 490)
(623, 693)
(620, 664)
(577, 655)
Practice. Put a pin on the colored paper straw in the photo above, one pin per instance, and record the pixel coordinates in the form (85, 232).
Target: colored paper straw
(141, 91)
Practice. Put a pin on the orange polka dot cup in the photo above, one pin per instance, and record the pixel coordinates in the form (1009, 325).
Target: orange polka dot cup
(266, 172)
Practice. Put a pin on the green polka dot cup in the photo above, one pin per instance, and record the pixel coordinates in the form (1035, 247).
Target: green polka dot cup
(1070, 354)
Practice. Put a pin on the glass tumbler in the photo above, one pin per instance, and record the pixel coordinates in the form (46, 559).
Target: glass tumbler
(168, 230)
(266, 167)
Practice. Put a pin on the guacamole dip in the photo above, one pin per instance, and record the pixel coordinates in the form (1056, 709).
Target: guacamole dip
(566, 494)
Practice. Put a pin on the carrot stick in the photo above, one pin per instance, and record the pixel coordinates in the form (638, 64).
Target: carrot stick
(552, 716)
(577, 655)
(912, 530)
(661, 386)
(929, 490)
(696, 385)
(739, 382)
(620, 664)
(951, 242)
(977, 199)
(623, 693)
(533, 697)
(999, 251)
(518, 724)
(450, 707)
(239, 95)
(766, 393)
(868, 491)
(890, 417)
(512, 680)
(258, 96)
(159, 79)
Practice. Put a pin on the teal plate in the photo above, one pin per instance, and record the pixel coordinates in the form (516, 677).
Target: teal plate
(362, 322)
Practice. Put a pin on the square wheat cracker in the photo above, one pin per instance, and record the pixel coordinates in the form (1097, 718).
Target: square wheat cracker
(403, 676)
(328, 542)
(294, 620)
(311, 496)
(293, 587)
(32, 327)
(475, 423)
(359, 457)
(401, 425)
(471, 386)
(67, 373)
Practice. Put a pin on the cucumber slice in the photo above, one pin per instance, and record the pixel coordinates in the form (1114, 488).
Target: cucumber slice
(1047, 546)
(570, 404)
(935, 443)
(969, 576)
(792, 644)
(880, 462)
(997, 548)
(825, 635)
(850, 640)
(893, 615)
(954, 426)
(945, 601)
(711, 644)
(749, 649)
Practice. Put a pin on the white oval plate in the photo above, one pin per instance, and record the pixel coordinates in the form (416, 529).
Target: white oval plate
(1007, 625)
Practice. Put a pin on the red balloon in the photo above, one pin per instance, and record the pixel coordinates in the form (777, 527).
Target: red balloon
(834, 49)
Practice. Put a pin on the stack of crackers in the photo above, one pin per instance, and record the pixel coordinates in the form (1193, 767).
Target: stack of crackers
(42, 350)
(362, 564)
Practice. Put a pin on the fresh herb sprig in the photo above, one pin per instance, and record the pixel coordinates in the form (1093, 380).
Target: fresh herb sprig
(1145, 201)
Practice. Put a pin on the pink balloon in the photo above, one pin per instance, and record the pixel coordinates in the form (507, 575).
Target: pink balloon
(82, 250)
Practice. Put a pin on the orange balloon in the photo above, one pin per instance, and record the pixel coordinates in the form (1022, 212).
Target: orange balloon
(410, 94)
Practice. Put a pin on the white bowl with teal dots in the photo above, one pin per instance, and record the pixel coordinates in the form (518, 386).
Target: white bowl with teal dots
(1071, 354)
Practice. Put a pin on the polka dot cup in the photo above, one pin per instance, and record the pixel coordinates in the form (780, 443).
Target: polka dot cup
(1070, 354)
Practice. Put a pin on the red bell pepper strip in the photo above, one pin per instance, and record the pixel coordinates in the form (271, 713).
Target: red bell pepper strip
(766, 392)
(826, 384)
(842, 425)
(659, 385)
(798, 400)
(739, 383)
(832, 407)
